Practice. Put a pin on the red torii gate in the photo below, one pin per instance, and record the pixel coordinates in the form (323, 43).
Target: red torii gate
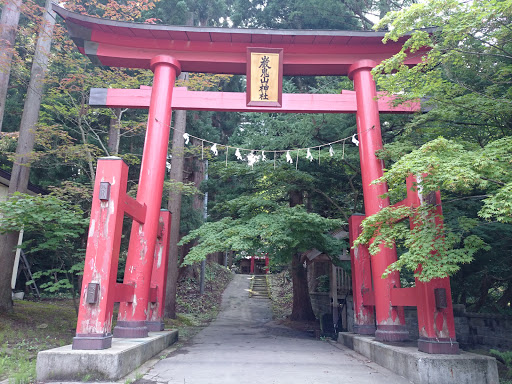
(167, 50)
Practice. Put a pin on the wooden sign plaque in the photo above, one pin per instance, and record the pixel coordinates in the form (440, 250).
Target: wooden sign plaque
(264, 77)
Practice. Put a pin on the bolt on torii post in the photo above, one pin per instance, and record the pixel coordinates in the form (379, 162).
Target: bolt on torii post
(166, 49)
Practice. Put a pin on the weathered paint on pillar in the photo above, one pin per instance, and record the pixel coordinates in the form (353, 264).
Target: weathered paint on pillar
(390, 320)
(139, 264)
(435, 317)
(267, 268)
(252, 264)
(155, 321)
(364, 315)
(94, 326)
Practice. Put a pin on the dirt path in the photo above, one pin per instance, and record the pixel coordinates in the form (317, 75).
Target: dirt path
(243, 346)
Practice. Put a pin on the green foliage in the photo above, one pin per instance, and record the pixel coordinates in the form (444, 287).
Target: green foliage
(278, 230)
(506, 356)
(55, 222)
(54, 229)
(439, 252)
(449, 166)
(323, 283)
(462, 146)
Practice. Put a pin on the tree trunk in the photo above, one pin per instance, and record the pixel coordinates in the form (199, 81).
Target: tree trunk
(485, 285)
(301, 304)
(8, 242)
(197, 178)
(21, 166)
(8, 26)
(114, 132)
(174, 206)
(87, 152)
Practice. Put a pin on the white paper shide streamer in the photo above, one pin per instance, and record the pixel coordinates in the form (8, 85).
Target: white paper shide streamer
(214, 149)
(252, 159)
(288, 157)
(309, 156)
(257, 155)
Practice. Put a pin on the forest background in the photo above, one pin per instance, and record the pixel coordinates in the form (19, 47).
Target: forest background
(462, 141)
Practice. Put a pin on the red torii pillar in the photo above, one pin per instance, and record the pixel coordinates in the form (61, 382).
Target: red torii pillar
(99, 289)
(364, 313)
(253, 264)
(390, 319)
(436, 324)
(133, 315)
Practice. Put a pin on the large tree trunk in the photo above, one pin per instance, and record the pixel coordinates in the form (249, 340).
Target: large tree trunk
(301, 304)
(174, 206)
(21, 166)
(7, 243)
(8, 26)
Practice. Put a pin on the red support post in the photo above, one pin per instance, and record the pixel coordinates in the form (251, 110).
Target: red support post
(434, 298)
(97, 296)
(139, 264)
(252, 265)
(390, 320)
(267, 269)
(364, 315)
(155, 320)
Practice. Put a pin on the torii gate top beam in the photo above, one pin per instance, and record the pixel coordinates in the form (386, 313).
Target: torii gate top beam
(224, 50)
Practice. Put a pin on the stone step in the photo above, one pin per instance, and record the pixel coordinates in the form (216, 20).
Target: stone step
(259, 289)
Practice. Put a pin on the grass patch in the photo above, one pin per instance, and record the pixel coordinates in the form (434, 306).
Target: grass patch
(32, 327)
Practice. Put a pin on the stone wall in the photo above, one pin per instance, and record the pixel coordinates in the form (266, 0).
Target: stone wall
(473, 330)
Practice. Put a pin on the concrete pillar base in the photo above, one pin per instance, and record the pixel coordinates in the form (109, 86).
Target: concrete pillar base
(423, 368)
(126, 355)
(92, 342)
(391, 333)
(155, 326)
(364, 329)
(130, 329)
(445, 346)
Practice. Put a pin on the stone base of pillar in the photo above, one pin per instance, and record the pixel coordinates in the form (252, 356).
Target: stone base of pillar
(92, 341)
(438, 346)
(131, 329)
(364, 329)
(391, 333)
(155, 326)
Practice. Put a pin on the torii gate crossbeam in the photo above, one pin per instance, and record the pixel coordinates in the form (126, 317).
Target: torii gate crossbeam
(236, 101)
